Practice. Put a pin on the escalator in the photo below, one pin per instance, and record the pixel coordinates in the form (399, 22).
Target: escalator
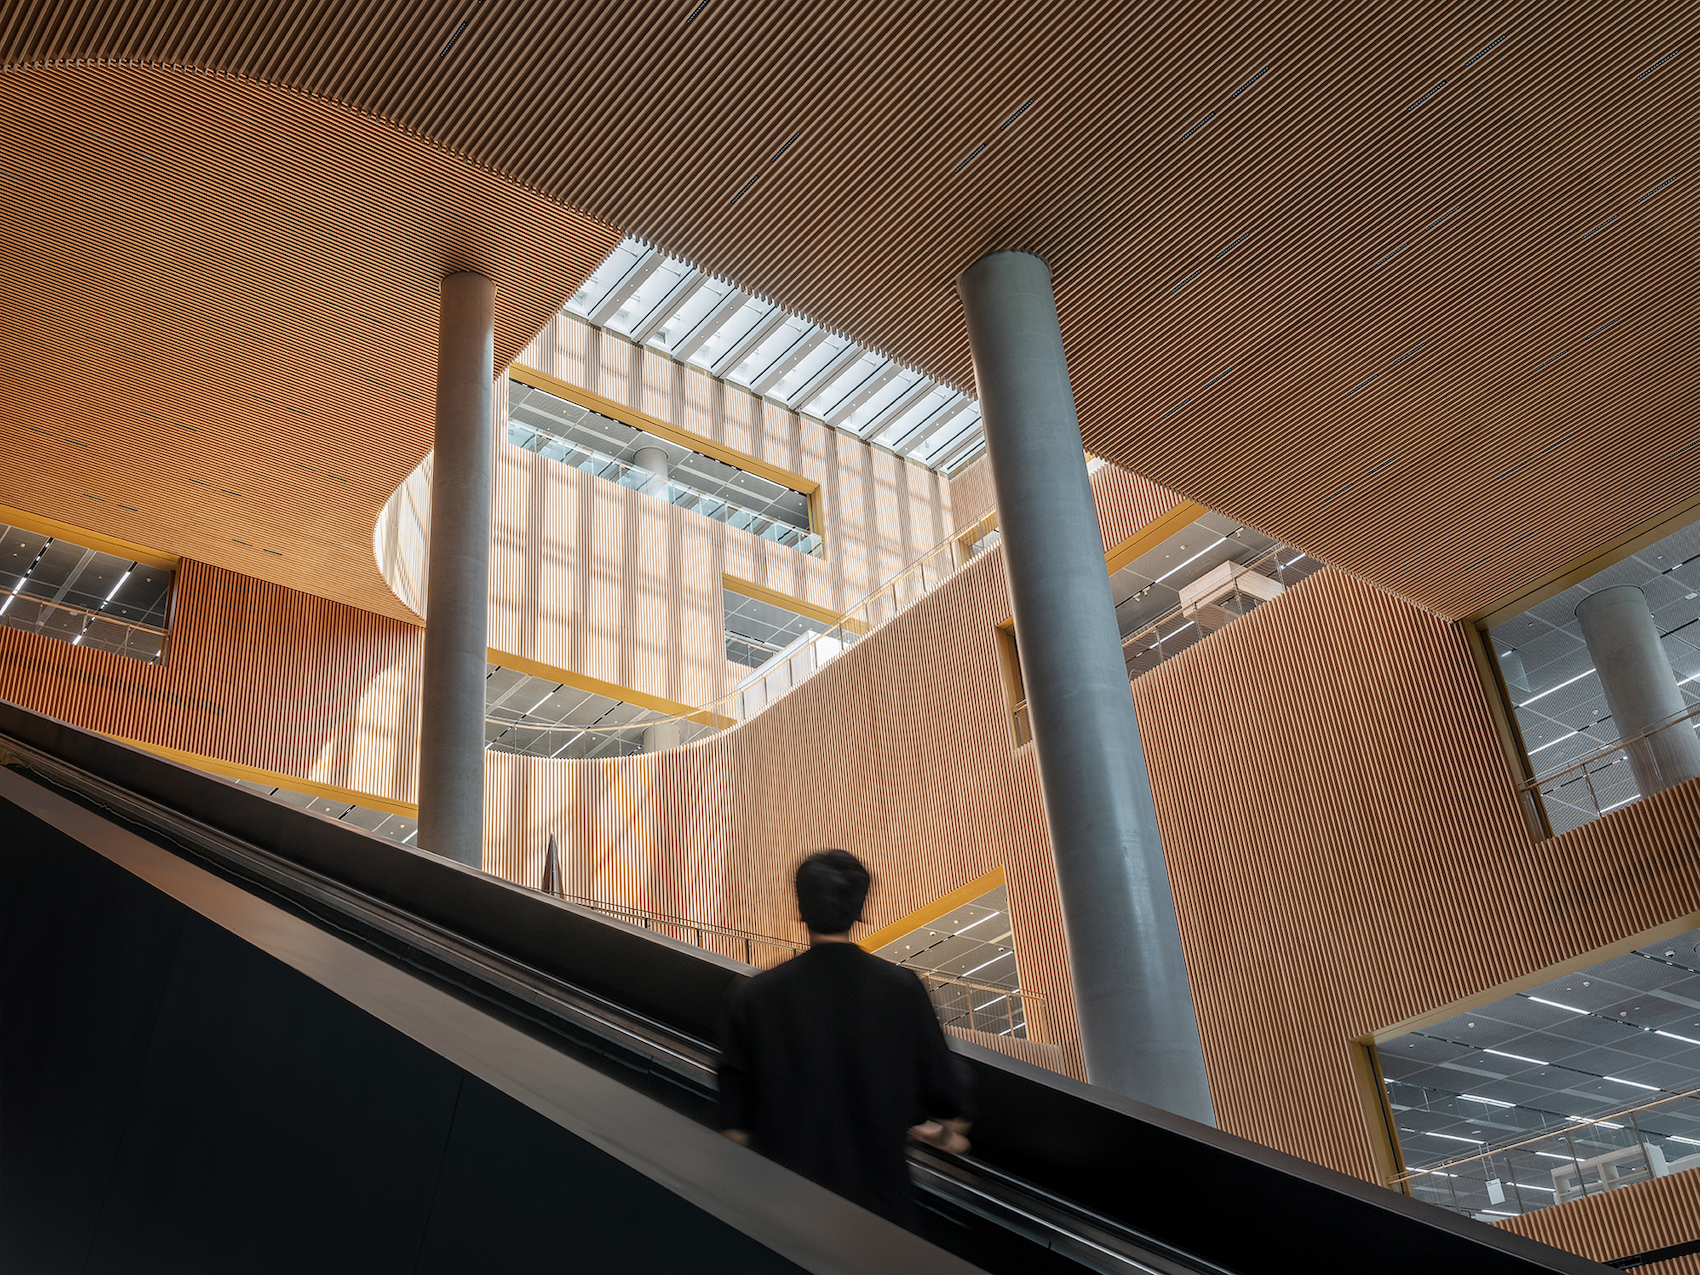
(237, 1036)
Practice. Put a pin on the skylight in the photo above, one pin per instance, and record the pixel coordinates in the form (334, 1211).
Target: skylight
(660, 301)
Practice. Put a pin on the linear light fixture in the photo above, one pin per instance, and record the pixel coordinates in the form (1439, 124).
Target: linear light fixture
(1567, 1008)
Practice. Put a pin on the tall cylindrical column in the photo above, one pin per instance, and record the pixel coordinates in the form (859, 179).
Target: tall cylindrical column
(451, 740)
(662, 736)
(1641, 690)
(1130, 986)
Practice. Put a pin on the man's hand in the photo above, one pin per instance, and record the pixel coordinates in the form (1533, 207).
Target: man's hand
(945, 1135)
(737, 1135)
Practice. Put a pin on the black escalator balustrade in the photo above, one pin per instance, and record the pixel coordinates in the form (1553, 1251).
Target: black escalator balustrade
(564, 1066)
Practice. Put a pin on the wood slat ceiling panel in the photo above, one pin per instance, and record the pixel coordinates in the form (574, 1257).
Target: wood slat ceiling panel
(220, 329)
(1336, 270)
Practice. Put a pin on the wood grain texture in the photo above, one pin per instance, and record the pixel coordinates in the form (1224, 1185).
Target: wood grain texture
(257, 675)
(894, 753)
(1344, 273)
(1344, 842)
(219, 331)
(1630, 1220)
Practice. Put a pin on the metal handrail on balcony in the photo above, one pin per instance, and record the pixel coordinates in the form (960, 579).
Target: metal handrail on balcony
(148, 637)
(1498, 1174)
(1005, 1011)
(1163, 636)
(1585, 768)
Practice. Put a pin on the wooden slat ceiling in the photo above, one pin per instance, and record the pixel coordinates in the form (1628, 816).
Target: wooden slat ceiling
(218, 335)
(1344, 271)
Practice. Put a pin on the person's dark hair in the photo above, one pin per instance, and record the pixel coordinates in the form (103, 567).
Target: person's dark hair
(832, 885)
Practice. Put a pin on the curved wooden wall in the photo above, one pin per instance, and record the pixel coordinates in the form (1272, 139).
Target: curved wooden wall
(218, 331)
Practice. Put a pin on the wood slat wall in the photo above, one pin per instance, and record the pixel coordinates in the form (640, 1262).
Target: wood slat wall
(258, 675)
(1630, 1220)
(880, 512)
(899, 751)
(1347, 856)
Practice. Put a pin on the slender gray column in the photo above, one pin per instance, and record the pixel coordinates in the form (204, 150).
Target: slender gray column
(451, 740)
(653, 459)
(1641, 690)
(1130, 987)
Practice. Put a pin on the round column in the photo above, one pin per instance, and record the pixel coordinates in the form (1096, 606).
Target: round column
(1137, 1022)
(451, 739)
(661, 736)
(1640, 688)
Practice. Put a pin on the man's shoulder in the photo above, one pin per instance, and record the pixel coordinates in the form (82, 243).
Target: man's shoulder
(832, 965)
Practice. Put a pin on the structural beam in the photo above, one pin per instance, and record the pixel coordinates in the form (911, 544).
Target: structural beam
(1137, 1023)
(451, 741)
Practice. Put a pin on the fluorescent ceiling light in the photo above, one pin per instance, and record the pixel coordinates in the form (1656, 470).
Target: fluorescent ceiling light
(1498, 1053)
(1452, 1137)
(1567, 1008)
(1559, 687)
(1492, 1102)
(1634, 1084)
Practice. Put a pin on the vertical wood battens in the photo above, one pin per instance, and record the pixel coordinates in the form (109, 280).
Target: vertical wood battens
(257, 675)
(1347, 853)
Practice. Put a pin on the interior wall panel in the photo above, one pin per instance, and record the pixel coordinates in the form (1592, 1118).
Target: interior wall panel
(1347, 854)
(879, 512)
(899, 751)
(257, 675)
(1634, 1219)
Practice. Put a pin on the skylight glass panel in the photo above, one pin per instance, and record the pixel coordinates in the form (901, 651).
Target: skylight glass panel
(844, 384)
(770, 351)
(952, 434)
(805, 370)
(646, 298)
(734, 330)
(680, 326)
(896, 431)
(869, 412)
(609, 273)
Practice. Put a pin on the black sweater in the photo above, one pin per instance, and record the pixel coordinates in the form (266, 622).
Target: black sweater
(827, 1060)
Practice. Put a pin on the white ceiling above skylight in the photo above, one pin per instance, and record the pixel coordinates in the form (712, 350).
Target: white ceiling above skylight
(710, 324)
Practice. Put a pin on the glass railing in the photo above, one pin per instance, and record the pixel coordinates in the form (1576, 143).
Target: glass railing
(82, 626)
(1584, 1157)
(959, 1002)
(626, 474)
(1588, 787)
(1192, 622)
(986, 1007)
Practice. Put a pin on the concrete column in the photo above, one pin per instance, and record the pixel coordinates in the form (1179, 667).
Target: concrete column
(451, 742)
(1130, 985)
(661, 735)
(654, 459)
(1640, 688)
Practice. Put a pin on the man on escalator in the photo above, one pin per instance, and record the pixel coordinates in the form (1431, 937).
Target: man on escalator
(831, 1060)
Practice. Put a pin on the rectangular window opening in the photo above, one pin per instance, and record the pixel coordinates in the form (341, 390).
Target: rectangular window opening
(662, 468)
(1014, 689)
(1573, 1087)
(1579, 760)
(95, 598)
